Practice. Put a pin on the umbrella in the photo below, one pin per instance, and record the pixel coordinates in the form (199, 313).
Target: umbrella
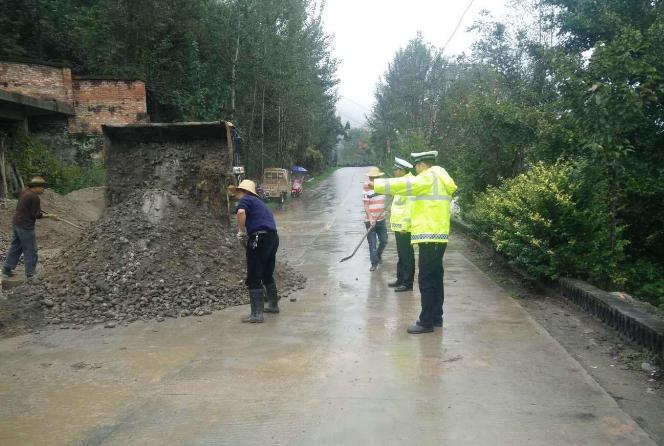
(299, 169)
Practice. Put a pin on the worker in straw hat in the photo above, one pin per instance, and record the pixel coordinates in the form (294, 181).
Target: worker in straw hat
(432, 190)
(258, 233)
(24, 240)
(374, 218)
(400, 225)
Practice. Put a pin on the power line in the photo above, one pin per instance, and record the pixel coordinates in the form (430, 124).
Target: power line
(458, 25)
(355, 102)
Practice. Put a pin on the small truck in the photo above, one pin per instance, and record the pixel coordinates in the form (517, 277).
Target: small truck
(276, 184)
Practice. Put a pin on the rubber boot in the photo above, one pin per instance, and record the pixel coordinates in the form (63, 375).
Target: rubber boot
(272, 298)
(256, 301)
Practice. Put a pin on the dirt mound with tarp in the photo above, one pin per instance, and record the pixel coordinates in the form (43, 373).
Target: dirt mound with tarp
(153, 256)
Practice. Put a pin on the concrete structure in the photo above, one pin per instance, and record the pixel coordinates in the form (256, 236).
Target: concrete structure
(334, 368)
(44, 97)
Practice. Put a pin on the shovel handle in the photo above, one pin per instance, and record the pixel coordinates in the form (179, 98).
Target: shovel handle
(358, 245)
(69, 223)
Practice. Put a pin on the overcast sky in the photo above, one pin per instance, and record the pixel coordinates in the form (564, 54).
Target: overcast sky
(367, 34)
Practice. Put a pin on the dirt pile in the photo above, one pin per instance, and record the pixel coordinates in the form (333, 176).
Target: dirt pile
(156, 255)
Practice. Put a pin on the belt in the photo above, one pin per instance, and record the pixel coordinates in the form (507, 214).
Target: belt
(262, 232)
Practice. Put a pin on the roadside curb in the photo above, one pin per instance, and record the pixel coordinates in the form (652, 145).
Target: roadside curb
(620, 314)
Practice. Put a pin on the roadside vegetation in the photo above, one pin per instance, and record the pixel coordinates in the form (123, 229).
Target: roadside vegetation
(265, 65)
(32, 156)
(553, 127)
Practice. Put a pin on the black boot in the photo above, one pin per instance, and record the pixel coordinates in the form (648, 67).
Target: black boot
(272, 298)
(418, 329)
(7, 272)
(256, 301)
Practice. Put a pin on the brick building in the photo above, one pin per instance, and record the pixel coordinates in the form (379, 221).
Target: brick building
(42, 97)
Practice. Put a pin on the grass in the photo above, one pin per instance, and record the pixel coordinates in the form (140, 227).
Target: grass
(316, 180)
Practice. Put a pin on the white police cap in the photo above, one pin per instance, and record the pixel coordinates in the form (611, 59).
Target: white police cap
(402, 164)
(431, 155)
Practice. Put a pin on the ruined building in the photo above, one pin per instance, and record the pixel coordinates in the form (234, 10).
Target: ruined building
(46, 98)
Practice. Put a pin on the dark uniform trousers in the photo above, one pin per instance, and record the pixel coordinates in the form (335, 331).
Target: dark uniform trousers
(430, 281)
(261, 258)
(406, 263)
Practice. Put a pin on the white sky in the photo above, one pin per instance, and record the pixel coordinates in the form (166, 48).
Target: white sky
(367, 34)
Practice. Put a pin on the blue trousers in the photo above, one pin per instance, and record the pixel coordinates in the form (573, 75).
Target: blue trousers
(377, 241)
(24, 242)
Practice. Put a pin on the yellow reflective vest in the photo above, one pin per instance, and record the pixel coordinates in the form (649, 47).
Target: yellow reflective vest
(432, 192)
(400, 211)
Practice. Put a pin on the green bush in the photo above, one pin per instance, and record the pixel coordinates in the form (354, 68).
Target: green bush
(536, 220)
(645, 280)
(31, 157)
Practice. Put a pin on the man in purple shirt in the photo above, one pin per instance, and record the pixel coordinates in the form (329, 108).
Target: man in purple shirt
(258, 232)
(24, 241)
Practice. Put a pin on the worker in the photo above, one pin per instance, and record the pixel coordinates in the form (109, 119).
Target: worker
(432, 190)
(258, 233)
(24, 240)
(374, 218)
(400, 225)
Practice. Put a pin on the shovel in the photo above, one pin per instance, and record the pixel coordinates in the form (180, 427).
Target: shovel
(57, 218)
(358, 246)
(69, 223)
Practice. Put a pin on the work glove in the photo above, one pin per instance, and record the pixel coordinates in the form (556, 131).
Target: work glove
(50, 216)
(242, 237)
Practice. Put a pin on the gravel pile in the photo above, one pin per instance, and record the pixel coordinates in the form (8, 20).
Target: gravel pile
(151, 257)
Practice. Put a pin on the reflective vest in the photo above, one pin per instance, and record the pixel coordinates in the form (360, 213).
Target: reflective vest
(432, 192)
(400, 212)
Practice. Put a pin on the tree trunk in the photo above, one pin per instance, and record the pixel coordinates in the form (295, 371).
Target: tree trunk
(251, 125)
(3, 169)
(279, 153)
(263, 132)
(613, 209)
(234, 76)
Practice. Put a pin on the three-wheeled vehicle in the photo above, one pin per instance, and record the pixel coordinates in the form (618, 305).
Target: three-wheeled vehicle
(276, 184)
(296, 187)
(299, 174)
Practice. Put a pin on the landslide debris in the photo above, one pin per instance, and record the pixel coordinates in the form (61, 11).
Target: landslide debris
(153, 256)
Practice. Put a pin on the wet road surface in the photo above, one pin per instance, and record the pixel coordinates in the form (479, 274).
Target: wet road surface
(334, 368)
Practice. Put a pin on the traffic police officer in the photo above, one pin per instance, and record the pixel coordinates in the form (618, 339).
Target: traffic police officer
(432, 191)
(258, 232)
(400, 225)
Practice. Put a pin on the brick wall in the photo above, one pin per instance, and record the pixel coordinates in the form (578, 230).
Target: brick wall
(40, 81)
(107, 101)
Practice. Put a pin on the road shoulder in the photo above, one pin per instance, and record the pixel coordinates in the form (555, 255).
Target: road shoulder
(614, 363)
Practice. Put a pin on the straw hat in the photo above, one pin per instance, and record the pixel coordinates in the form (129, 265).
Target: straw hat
(37, 182)
(247, 186)
(374, 172)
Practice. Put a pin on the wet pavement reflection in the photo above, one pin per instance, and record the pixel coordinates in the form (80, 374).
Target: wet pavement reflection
(336, 367)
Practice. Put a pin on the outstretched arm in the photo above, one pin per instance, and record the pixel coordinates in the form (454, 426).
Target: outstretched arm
(409, 186)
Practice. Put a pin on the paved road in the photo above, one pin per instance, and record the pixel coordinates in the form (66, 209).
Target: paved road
(335, 368)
